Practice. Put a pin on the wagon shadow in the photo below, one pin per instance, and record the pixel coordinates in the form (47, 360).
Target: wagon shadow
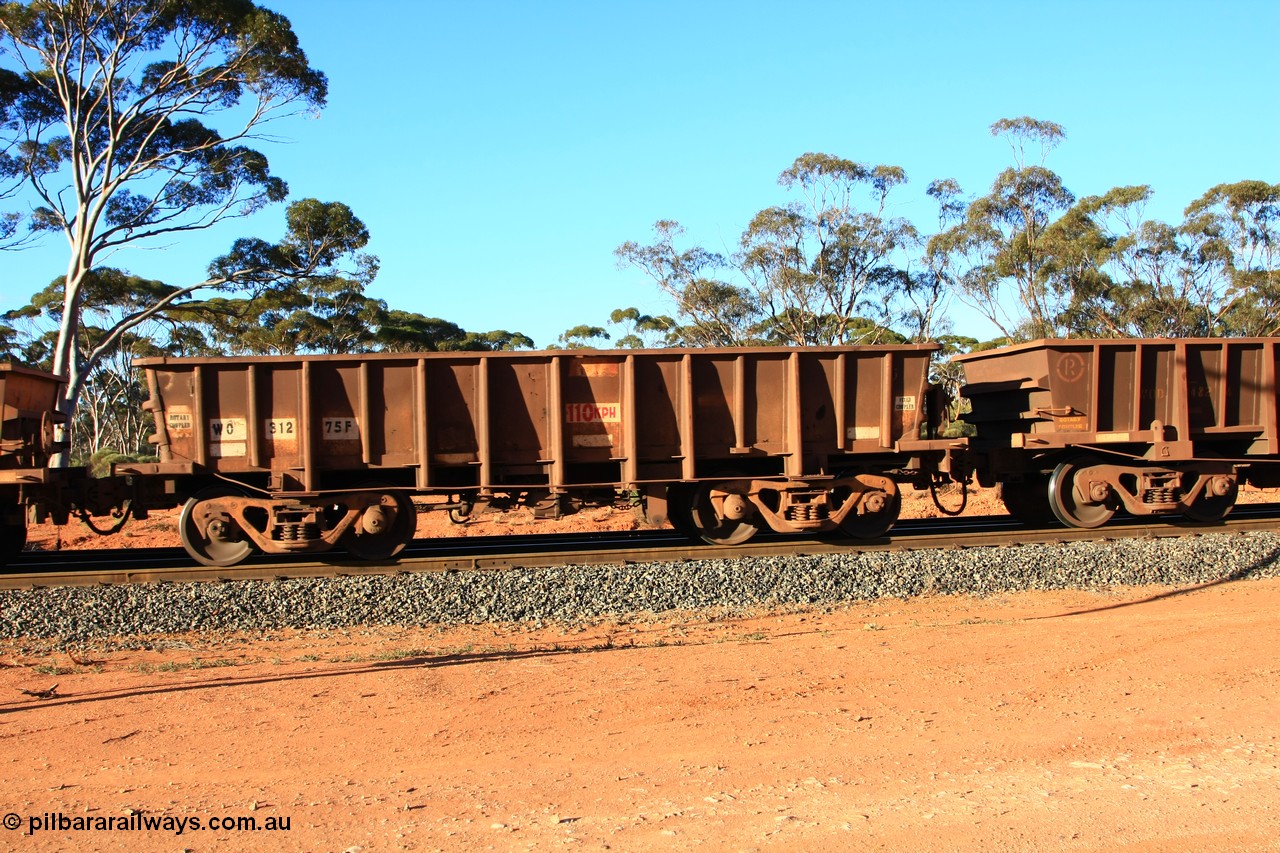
(338, 671)
(1261, 563)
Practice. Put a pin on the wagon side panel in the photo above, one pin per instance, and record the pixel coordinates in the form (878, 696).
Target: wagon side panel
(30, 399)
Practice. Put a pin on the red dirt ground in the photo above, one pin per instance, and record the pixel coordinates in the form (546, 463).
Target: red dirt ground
(1138, 720)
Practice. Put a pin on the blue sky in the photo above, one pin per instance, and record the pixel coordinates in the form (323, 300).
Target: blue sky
(500, 151)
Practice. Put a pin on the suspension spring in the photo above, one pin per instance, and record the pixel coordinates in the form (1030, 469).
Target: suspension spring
(1165, 495)
(296, 532)
(806, 512)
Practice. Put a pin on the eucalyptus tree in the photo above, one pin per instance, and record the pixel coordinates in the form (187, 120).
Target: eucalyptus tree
(642, 331)
(110, 411)
(8, 342)
(1233, 255)
(709, 310)
(1217, 273)
(497, 340)
(408, 331)
(108, 125)
(323, 315)
(583, 336)
(999, 256)
(821, 266)
(1126, 275)
(926, 282)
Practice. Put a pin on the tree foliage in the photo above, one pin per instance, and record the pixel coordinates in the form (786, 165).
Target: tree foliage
(823, 266)
(834, 268)
(1035, 260)
(133, 122)
(1004, 265)
(108, 130)
(711, 312)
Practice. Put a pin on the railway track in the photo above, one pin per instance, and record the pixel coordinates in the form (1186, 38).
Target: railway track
(169, 565)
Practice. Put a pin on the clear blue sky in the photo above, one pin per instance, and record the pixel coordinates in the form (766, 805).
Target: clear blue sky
(500, 151)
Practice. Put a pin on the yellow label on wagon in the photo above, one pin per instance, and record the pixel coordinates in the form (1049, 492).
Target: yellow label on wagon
(180, 421)
(1071, 423)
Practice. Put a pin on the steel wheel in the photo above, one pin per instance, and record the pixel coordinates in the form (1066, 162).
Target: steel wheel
(1069, 503)
(880, 513)
(720, 517)
(382, 531)
(1208, 508)
(1028, 501)
(13, 538)
(223, 543)
(680, 510)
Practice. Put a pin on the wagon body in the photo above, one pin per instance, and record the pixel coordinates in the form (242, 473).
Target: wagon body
(27, 440)
(557, 420)
(1195, 395)
(720, 441)
(1161, 425)
(30, 400)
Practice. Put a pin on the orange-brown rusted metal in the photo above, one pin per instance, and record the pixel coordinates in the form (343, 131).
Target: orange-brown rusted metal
(28, 418)
(1174, 395)
(1150, 425)
(789, 424)
(554, 420)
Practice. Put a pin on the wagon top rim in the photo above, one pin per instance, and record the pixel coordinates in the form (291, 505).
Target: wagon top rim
(539, 355)
(1091, 343)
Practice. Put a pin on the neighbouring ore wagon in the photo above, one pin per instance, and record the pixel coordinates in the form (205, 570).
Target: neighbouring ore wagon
(1083, 428)
(27, 441)
(301, 453)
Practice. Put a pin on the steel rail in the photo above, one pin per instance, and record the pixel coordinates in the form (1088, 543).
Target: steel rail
(628, 547)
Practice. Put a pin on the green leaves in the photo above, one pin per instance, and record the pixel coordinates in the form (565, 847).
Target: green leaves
(1025, 131)
(123, 121)
(319, 237)
(997, 255)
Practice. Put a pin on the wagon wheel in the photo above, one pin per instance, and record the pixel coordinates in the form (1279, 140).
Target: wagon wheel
(383, 530)
(1208, 508)
(880, 512)
(680, 510)
(1028, 501)
(720, 517)
(13, 538)
(223, 543)
(1068, 502)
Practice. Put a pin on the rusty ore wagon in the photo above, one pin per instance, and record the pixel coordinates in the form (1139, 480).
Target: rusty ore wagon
(27, 440)
(302, 453)
(1083, 428)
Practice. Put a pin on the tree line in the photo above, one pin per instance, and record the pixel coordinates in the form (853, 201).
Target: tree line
(835, 267)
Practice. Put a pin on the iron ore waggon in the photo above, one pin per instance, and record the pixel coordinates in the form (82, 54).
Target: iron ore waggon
(27, 441)
(302, 453)
(307, 453)
(1080, 429)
